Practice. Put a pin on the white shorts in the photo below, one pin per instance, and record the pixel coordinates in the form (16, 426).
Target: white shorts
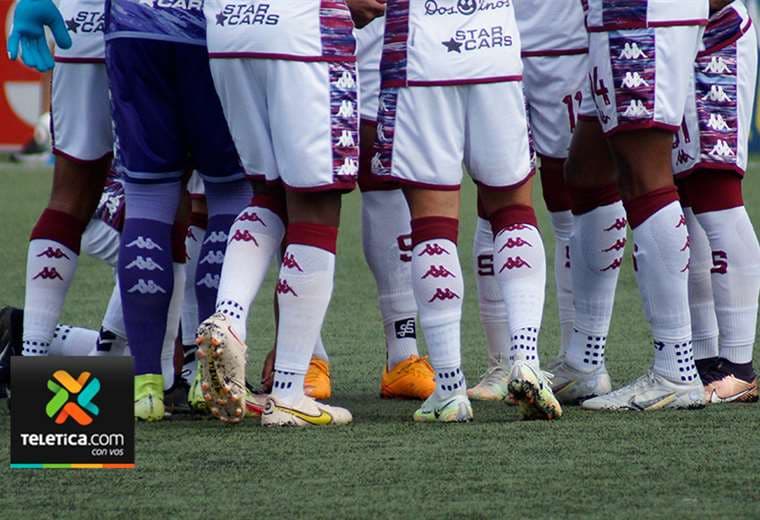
(716, 127)
(424, 134)
(81, 111)
(292, 121)
(554, 93)
(369, 50)
(195, 186)
(642, 77)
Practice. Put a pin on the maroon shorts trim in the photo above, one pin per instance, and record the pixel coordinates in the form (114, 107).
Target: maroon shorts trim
(650, 25)
(65, 59)
(649, 124)
(705, 165)
(509, 187)
(588, 117)
(724, 44)
(276, 56)
(421, 185)
(78, 160)
(344, 186)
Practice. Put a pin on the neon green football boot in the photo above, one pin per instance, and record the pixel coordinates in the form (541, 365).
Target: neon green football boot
(195, 396)
(149, 397)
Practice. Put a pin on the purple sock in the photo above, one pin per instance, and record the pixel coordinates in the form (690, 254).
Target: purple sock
(145, 269)
(225, 201)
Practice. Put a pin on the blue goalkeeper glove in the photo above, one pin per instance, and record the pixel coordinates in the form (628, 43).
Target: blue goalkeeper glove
(29, 23)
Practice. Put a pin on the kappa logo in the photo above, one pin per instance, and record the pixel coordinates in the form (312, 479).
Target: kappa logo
(439, 272)
(681, 222)
(686, 267)
(210, 281)
(86, 22)
(215, 237)
(515, 263)
(382, 136)
(376, 164)
(717, 65)
(631, 51)
(619, 224)
(48, 273)
(346, 109)
(683, 157)
(346, 139)
(444, 294)
(686, 244)
(721, 149)
(51, 252)
(149, 287)
(476, 39)
(144, 264)
(717, 95)
(346, 81)
(636, 110)
(244, 236)
(616, 263)
(515, 227)
(512, 243)
(619, 245)
(213, 257)
(64, 386)
(433, 250)
(717, 123)
(289, 261)
(349, 168)
(251, 216)
(246, 14)
(144, 243)
(463, 7)
(633, 80)
(284, 288)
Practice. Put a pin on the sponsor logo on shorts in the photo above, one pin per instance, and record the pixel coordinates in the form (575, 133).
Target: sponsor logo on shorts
(246, 14)
(469, 40)
(86, 22)
(463, 7)
(185, 5)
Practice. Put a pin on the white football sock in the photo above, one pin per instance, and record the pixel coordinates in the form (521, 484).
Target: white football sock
(520, 265)
(735, 279)
(101, 241)
(661, 257)
(193, 242)
(72, 341)
(255, 237)
(172, 325)
(562, 224)
(704, 322)
(386, 239)
(493, 312)
(439, 289)
(319, 350)
(50, 268)
(304, 289)
(597, 248)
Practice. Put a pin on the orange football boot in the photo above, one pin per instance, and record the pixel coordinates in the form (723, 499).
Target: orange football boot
(412, 378)
(731, 389)
(317, 383)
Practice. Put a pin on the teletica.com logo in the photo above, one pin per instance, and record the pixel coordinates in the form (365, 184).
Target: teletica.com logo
(84, 388)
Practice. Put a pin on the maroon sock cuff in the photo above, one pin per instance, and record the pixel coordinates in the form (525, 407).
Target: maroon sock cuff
(585, 200)
(61, 227)
(644, 206)
(314, 235)
(512, 215)
(179, 252)
(274, 202)
(199, 220)
(714, 191)
(555, 191)
(430, 228)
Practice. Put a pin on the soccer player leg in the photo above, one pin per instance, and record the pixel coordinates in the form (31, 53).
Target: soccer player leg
(500, 163)
(195, 234)
(153, 153)
(387, 244)
(596, 252)
(316, 153)
(493, 315)
(640, 112)
(420, 143)
(80, 93)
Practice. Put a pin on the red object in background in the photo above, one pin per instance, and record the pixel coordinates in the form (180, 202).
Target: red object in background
(14, 131)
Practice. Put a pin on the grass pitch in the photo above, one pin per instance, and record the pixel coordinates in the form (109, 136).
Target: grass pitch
(661, 464)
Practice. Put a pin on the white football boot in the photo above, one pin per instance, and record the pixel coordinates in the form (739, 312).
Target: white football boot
(651, 392)
(531, 390)
(493, 385)
(221, 364)
(573, 386)
(454, 408)
(305, 412)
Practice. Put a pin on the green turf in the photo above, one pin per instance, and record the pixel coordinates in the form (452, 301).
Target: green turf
(661, 464)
